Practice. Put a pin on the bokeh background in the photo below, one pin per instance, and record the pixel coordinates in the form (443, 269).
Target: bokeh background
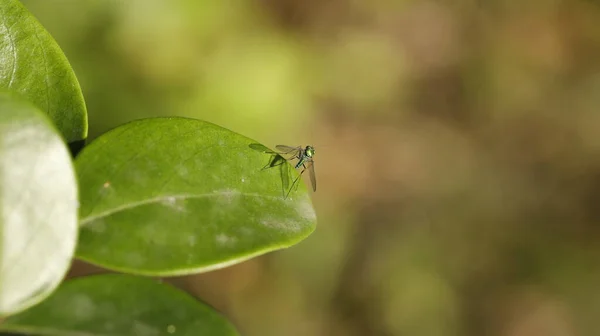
(458, 150)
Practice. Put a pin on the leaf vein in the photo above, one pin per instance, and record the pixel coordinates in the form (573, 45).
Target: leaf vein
(163, 198)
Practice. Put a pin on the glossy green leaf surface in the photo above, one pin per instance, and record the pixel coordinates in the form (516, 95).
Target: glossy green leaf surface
(168, 196)
(32, 64)
(116, 304)
(38, 205)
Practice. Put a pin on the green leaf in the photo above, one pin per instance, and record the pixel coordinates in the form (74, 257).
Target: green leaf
(116, 304)
(171, 196)
(32, 64)
(38, 206)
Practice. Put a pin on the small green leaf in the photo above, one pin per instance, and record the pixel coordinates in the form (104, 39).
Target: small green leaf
(116, 304)
(38, 206)
(32, 64)
(170, 196)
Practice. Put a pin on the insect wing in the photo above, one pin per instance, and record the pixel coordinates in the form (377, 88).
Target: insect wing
(313, 178)
(288, 150)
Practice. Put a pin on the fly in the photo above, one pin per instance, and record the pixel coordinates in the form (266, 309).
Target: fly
(304, 155)
(305, 161)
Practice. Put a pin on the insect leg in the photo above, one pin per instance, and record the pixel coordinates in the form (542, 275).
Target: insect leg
(295, 181)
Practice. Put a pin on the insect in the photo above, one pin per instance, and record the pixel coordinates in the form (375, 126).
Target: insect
(305, 160)
(304, 155)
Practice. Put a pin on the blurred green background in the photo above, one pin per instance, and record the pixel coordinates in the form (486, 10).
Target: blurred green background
(458, 150)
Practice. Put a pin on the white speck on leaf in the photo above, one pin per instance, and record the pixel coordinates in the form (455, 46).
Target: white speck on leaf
(191, 240)
(106, 189)
(171, 329)
(225, 240)
(174, 203)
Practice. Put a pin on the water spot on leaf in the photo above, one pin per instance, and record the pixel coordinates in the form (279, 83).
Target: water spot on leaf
(83, 308)
(97, 226)
(282, 225)
(182, 170)
(227, 196)
(109, 326)
(140, 328)
(246, 231)
(134, 258)
(305, 209)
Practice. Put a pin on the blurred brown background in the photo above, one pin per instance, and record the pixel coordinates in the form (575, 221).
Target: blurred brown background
(457, 150)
